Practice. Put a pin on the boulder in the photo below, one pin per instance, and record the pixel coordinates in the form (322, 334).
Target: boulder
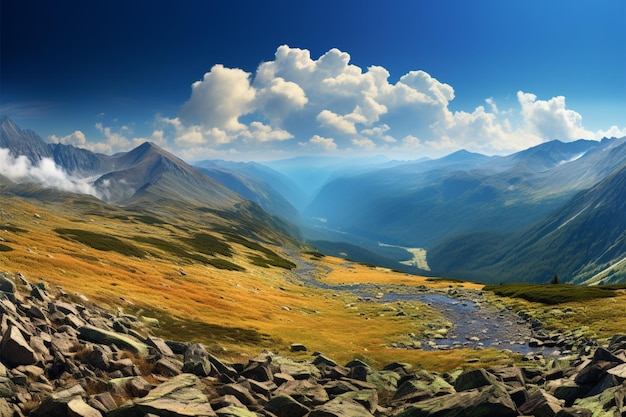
(424, 386)
(168, 367)
(7, 285)
(366, 398)
(77, 407)
(56, 405)
(286, 406)
(340, 408)
(475, 378)
(94, 334)
(233, 411)
(179, 396)
(306, 392)
(15, 350)
(160, 345)
(239, 392)
(221, 367)
(490, 401)
(298, 347)
(196, 360)
(541, 404)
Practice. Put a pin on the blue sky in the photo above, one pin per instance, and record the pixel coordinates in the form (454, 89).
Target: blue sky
(256, 80)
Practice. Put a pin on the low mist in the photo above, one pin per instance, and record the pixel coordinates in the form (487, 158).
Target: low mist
(46, 173)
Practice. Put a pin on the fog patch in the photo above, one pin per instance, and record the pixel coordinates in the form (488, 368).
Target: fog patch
(46, 173)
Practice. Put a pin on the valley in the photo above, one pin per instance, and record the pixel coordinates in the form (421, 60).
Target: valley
(236, 268)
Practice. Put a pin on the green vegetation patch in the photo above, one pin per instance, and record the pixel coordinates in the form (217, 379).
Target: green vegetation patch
(101, 242)
(13, 229)
(179, 252)
(208, 244)
(550, 293)
(272, 261)
(149, 220)
(270, 257)
(171, 248)
(212, 335)
(5, 248)
(224, 264)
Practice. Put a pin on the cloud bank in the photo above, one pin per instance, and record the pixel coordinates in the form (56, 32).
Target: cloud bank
(46, 173)
(329, 105)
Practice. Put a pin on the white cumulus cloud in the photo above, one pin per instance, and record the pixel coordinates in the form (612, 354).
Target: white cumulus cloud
(550, 119)
(319, 142)
(77, 138)
(294, 96)
(220, 98)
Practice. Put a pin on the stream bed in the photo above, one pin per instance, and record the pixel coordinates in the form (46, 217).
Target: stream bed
(475, 324)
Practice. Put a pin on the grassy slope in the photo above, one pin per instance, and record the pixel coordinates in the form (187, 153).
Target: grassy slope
(132, 261)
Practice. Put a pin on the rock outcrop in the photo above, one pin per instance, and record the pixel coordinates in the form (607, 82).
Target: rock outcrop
(61, 358)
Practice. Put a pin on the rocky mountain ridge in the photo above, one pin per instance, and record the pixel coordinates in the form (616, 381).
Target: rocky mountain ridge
(63, 356)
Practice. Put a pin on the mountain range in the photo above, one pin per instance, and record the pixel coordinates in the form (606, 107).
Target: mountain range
(556, 208)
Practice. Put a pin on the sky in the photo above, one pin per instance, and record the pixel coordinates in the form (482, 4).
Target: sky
(262, 80)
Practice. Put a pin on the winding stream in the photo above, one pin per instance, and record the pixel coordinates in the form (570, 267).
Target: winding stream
(476, 324)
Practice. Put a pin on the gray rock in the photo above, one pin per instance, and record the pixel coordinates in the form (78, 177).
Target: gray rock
(541, 404)
(298, 347)
(568, 391)
(490, 401)
(168, 367)
(77, 407)
(160, 345)
(306, 392)
(96, 335)
(321, 360)
(286, 406)
(65, 308)
(196, 360)
(56, 405)
(475, 378)
(367, 398)
(424, 386)
(340, 408)
(233, 411)
(241, 393)
(15, 349)
(179, 396)
(7, 285)
(221, 367)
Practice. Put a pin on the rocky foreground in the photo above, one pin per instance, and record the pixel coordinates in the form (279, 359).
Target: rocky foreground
(61, 358)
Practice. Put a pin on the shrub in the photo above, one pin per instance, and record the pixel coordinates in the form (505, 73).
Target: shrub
(101, 242)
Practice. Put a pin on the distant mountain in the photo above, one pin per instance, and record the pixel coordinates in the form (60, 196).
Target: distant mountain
(22, 142)
(273, 191)
(145, 179)
(310, 173)
(151, 173)
(545, 156)
(419, 204)
(146, 173)
(582, 242)
(74, 161)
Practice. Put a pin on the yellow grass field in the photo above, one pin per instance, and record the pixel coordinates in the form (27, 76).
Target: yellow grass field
(235, 313)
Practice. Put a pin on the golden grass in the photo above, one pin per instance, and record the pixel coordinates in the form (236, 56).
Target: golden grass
(598, 318)
(236, 314)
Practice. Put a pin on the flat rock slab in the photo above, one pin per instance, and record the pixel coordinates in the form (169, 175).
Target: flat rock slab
(105, 337)
(178, 397)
